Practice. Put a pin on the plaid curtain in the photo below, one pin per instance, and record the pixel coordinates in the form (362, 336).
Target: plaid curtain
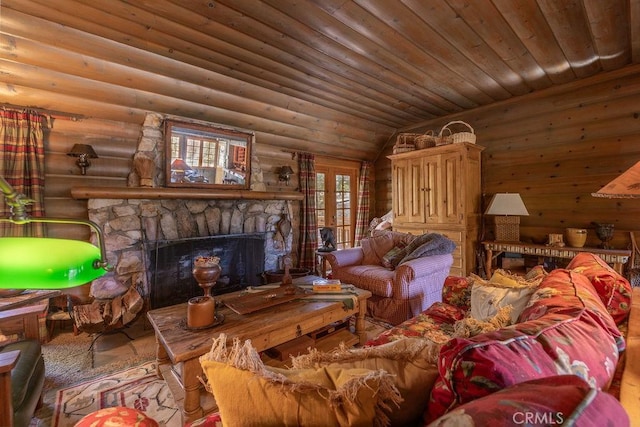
(308, 223)
(362, 218)
(22, 166)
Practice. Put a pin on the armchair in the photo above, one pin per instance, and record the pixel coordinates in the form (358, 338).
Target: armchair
(400, 292)
(21, 366)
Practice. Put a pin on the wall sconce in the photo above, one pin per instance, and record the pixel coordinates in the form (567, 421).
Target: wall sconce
(507, 208)
(46, 263)
(285, 174)
(83, 152)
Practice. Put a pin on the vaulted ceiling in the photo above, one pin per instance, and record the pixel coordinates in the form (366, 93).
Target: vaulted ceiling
(335, 77)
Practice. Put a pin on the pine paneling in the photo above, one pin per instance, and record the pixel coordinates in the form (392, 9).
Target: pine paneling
(555, 148)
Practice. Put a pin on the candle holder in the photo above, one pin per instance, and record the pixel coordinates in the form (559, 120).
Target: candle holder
(201, 311)
(604, 233)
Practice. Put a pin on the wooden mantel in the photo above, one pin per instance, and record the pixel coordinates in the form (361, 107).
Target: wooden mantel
(179, 193)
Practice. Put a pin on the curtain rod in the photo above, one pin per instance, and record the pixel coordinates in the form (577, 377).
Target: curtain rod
(295, 153)
(46, 112)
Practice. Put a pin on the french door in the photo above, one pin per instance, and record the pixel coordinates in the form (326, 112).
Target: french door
(336, 201)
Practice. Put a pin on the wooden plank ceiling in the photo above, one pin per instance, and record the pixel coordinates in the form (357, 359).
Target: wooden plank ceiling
(333, 77)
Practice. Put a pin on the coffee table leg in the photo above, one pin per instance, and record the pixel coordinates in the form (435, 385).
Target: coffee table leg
(162, 358)
(360, 324)
(192, 409)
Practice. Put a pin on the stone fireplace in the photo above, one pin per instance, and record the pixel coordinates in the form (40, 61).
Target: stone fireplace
(138, 220)
(133, 228)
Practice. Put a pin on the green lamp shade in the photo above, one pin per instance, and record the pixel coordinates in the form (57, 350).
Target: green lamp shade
(43, 263)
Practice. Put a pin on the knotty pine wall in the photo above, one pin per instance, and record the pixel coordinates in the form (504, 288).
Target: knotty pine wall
(555, 148)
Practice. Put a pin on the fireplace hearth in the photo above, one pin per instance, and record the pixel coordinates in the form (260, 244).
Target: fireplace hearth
(242, 259)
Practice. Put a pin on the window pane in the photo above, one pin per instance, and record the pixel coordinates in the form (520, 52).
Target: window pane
(192, 156)
(321, 207)
(209, 153)
(343, 184)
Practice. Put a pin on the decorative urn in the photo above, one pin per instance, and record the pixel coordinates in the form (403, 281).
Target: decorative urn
(201, 311)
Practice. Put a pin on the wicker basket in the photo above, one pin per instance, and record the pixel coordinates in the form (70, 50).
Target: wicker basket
(405, 142)
(428, 139)
(443, 139)
(464, 136)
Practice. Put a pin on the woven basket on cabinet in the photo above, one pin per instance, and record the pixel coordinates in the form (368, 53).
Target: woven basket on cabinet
(426, 140)
(457, 137)
(405, 142)
(444, 139)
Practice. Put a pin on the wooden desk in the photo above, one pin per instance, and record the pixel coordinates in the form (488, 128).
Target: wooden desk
(178, 349)
(616, 257)
(27, 298)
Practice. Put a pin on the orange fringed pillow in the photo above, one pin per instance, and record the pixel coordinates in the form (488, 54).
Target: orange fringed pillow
(250, 394)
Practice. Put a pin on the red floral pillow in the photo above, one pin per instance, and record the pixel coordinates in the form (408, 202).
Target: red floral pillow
(457, 291)
(436, 323)
(614, 290)
(529, 403)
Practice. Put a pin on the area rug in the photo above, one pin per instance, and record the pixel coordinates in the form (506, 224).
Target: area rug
(137, 387)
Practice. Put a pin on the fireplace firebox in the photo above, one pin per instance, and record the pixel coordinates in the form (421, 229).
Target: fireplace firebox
(242, 259)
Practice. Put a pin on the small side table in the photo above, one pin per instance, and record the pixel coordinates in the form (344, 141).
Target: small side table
(321, 264)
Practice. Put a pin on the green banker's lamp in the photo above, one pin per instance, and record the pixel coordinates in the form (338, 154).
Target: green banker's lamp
(46, 263)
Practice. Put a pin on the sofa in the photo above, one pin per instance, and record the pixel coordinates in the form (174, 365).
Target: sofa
(21, 365)
(403, 272)
(569, 326)
(538, 350)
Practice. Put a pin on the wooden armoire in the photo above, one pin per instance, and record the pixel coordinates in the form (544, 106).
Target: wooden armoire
(438, 190)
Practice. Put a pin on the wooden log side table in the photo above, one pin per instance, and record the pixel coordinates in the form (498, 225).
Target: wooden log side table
(178, 349)
(616, 257)
(321, 264)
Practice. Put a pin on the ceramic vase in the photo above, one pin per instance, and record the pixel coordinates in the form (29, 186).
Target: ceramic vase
(576, 237)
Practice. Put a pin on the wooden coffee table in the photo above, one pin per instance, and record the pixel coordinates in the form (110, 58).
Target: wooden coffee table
(178, 349)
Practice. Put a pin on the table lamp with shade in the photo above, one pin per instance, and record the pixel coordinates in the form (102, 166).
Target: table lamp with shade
(507, 209)
(179, 170)
(46, 263)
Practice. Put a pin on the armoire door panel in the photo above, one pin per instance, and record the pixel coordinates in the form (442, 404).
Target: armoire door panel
(416, 191)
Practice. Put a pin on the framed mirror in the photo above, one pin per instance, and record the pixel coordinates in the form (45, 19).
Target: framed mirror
(206, 156)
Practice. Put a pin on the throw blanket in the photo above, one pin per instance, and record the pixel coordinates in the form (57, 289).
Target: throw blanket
(429, 244)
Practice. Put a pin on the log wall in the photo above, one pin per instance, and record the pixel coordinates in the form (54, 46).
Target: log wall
(555, 148)
(115, 142)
